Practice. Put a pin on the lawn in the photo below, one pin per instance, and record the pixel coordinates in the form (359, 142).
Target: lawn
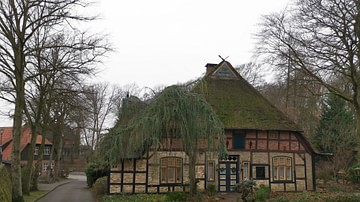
(35, 195)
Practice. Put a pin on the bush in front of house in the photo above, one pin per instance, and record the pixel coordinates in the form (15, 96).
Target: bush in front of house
(262, 193)
(352, 177)
(211, 189)
(94, 171)
(246, 188)
(5, 184)
(176, 196)
(99, 188)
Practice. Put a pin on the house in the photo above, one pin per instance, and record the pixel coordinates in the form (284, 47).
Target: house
(262, 143)
(7, 143)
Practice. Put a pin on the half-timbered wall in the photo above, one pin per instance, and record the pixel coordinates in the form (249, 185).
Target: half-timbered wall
(256, 150)
(144, 175)
(260, 149)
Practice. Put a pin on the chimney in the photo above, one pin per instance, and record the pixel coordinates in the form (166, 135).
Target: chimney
(210, 67)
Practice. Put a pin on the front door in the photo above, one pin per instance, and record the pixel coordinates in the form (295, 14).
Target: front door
(228, 173)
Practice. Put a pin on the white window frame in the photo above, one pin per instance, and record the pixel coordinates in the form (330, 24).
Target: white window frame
(282, 168)
(246, 170)
(47, 150)
(171, 170)
(45, 166)
(210, 170)
(36, 150)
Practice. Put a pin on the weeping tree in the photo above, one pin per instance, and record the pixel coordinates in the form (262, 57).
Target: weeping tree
(176, 113)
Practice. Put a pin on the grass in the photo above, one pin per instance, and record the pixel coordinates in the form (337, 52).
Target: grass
(34, 196)
(136, 198)
(315, 197)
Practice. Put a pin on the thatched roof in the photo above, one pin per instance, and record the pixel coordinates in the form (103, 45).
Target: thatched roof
(238, 104)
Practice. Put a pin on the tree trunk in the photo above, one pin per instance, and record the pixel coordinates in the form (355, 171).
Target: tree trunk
(29, 166)
(40, 158)
(192, 174)
(17, 195)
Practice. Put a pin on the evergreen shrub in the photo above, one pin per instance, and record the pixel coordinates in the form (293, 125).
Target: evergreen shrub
(5, 184)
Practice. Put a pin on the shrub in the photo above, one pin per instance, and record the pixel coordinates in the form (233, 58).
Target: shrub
(94, 171)
(344, 198)
(324, 171)
(176, 196)
(246, 188)
(262, 193)
(32, 185)
(352, 177)
(5, 184)
(211, 189)
(100, 186)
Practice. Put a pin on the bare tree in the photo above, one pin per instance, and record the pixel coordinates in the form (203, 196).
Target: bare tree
(252, 72)
(99, 102)
(56, 60)
(320, 38)
(19, 21)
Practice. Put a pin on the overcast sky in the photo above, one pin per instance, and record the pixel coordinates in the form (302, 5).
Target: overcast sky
(164, 42)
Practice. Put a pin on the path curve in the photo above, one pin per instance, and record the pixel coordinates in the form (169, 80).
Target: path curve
(75, 190)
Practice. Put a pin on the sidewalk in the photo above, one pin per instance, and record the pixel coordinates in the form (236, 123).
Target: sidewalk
(72, 176)
(50, 187)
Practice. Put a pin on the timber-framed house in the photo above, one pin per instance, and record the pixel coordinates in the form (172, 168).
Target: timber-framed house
(262, 143)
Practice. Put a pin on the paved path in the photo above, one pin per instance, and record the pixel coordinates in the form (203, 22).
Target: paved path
(74, 190)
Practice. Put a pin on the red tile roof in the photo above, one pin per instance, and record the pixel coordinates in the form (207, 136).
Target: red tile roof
(7, 136)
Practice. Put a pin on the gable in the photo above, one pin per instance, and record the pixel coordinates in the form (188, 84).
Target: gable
(224, 70)
(7, 138)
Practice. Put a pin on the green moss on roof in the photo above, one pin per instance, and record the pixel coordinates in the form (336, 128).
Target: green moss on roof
(240, 106)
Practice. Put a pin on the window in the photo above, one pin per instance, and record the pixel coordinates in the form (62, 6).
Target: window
(238, 141)
(36, 151)
(260, 172)
(47, 150)
(45, 167)
(282, 168)
(245, 169)
(170, 170)
(211, 170)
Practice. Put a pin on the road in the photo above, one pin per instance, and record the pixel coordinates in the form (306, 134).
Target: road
(75, 191)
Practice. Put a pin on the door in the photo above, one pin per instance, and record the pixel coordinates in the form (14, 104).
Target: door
(228, 173)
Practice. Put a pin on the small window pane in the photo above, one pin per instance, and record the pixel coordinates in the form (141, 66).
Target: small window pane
(288, 173)
(246, 171)
(210, 169)
(171, 174)
(288, 162)
(276, 173)
(178, 175)
(260, 172)
(282, 173)
(163, 174)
